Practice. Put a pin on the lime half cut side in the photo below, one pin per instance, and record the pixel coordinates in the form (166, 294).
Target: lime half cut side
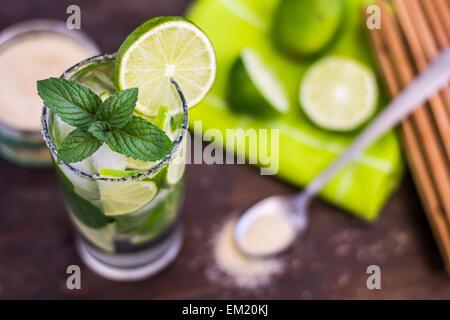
(253, 88)
(160, 49)
(124, 197)
(339, 93)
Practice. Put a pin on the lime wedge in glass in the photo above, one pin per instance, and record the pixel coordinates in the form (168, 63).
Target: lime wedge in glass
(160, 49)
(115, 173)
(167, 176)
(162, 120)
(174, 173)
(253, 88)
(104, 95)
(136, 164)
(176, 167)
(123, 197)
(159, 177)
(339, 94)
(103, 237)
(98, 77)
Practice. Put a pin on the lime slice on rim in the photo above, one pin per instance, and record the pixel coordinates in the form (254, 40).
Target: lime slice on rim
(160, 49)
(339, 93)
(123, 197)
(253, 88)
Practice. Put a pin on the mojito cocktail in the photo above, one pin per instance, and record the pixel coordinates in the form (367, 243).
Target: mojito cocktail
(116, 126)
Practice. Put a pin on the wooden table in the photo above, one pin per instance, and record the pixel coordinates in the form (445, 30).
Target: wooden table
(329, 262)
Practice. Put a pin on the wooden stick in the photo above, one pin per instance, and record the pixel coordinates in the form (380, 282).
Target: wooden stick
(421, 173)
(422, 120)
(443, 10)
(438, 27)
(435, 156)
(419, 170)
(424, 49)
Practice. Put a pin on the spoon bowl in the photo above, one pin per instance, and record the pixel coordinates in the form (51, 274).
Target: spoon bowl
(278, 220)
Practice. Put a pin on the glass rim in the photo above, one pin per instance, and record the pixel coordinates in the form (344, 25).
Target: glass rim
(20, 29)
(143, 174)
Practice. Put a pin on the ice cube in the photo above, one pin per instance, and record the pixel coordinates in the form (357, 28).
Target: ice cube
(105, 158)
(60, 130)
(85, 187)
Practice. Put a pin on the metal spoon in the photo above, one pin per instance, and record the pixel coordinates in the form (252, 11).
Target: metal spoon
(294, 209)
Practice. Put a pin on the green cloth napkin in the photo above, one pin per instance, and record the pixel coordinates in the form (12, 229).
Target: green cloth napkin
(362, 186)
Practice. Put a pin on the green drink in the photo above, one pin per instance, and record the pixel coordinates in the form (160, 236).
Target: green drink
(121, 221)
(121, 170)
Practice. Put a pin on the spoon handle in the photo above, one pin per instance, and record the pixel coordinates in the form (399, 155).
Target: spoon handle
(428, 82)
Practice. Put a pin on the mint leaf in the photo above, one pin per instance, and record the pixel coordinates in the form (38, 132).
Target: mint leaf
(118, 109)
(140, 139)
(77, 146)
(101, 130)
(73, 103)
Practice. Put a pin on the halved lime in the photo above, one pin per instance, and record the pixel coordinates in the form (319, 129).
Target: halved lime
(123, 197)
(160, 49)
(253, 88)
(339, 93)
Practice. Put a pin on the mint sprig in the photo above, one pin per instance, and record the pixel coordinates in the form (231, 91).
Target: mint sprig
(111, 122)
(101, 130)
(118, 109)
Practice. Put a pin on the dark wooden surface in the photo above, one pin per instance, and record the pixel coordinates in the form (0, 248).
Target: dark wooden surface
(329, 262)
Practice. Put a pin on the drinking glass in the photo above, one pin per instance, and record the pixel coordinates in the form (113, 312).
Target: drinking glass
(131, 245)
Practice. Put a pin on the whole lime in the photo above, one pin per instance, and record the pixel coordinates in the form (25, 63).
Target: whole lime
(305, 27)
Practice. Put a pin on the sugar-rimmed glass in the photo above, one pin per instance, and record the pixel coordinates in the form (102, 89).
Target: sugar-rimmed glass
(136, 244)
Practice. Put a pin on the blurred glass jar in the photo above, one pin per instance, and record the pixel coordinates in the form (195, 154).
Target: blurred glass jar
(31, 51)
